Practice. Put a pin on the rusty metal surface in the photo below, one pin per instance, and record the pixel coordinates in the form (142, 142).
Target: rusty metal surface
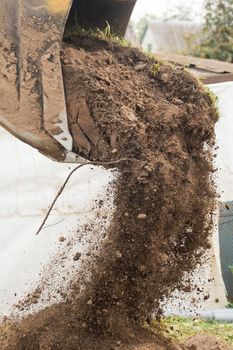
(30, 29)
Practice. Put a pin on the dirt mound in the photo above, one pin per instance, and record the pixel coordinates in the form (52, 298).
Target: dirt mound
(59, 327)
(205, 342)
(124, 105)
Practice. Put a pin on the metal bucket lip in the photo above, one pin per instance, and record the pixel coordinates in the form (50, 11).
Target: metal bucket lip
(31, 32)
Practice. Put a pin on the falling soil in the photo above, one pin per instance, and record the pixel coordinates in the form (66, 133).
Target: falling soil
(160, 121)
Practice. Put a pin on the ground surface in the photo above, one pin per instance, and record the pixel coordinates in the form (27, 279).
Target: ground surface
(157, 124)
(205, 342)
(187, 334)
(179, 329)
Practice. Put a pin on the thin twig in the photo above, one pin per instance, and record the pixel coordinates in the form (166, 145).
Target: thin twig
(56, 223)
(67, 180)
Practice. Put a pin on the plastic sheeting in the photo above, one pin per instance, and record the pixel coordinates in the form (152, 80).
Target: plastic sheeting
(224, 133)
(28, 184)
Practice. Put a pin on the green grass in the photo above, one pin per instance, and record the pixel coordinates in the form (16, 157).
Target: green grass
(213, 99)
(156, 68)
(104, 34)
(179, 329)
(107, 34)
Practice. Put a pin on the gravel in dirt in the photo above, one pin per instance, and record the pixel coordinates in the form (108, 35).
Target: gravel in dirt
(123, 104)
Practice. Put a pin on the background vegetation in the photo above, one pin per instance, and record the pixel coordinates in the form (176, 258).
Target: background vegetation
(216, 38)
(217, 35)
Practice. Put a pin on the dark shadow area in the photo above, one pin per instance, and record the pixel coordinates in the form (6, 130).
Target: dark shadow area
(92, 14)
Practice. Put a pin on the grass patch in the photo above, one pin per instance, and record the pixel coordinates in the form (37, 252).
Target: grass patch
(156, 68)
(179, 329)
(213, 100)
(103, 34)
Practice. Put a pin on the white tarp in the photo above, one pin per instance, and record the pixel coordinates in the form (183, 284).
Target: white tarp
(28, 184)
(224, 132)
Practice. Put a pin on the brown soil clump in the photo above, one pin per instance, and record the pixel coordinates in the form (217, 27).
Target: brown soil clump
(124, 105)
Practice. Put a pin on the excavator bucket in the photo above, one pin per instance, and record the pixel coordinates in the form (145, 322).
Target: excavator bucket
(32, 98)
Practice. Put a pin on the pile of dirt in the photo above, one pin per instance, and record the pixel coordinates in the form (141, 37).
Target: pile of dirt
(205, 342)
(160, 120)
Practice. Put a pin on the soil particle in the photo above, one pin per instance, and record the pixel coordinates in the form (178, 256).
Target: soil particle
(77, 256)
(163, 124)
(62, 239)
(142, 216)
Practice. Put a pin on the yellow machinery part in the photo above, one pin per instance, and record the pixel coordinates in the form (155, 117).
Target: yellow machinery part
(57, 6)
